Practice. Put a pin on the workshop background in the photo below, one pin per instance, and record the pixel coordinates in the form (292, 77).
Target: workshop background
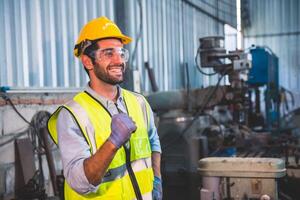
(222, 76)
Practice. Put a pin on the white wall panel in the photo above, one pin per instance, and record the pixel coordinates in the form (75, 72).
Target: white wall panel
(37, 41)
(275, 23)
(38, 36)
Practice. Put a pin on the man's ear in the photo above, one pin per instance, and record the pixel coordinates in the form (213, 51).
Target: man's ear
(87, 62)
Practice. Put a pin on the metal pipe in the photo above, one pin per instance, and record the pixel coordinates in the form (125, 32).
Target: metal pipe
(49, 157)
(14, 90)
(151, 77)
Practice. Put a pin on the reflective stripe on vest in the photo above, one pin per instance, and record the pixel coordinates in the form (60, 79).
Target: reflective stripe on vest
(119, 189)
(94, 122)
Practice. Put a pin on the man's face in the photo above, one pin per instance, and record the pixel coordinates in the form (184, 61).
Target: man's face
(109, 65)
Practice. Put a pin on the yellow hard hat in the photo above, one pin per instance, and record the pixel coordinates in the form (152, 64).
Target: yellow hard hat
(98, 28)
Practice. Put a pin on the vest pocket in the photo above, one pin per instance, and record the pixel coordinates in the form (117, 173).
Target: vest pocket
(140, 148)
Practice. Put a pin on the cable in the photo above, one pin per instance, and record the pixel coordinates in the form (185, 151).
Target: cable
(36, 185)
(291, 95)
(204, 11)
(218, 9)
(197, 114)
(215, 121)
(139, 35)
(7, 99)
(229, 4)
(199, 68)
(38, 121)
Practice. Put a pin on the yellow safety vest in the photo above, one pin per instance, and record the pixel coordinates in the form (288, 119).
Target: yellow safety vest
(117, 185)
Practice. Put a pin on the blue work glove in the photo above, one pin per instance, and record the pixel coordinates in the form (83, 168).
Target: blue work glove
(157, 189)
(122, 127)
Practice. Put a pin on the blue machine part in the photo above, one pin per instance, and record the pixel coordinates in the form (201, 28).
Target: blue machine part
(226, 152)
(264, 68)
(4, 88)
(264, 72)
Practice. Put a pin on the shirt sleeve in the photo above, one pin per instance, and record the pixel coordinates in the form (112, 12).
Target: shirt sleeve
(153, 135)
(74, 150)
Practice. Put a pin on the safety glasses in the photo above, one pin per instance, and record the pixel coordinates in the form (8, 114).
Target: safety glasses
(111, 53)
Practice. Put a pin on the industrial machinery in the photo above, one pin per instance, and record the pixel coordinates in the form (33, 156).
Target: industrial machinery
(234, 64)
(240, 178)
(189, 120)
(224, 121)
(264, 73)
(213, 55)
(266, 137)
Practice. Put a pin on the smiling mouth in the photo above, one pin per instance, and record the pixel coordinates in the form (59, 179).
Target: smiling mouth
(116, 68)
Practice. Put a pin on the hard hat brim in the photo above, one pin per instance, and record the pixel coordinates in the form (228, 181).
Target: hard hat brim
(125, 39)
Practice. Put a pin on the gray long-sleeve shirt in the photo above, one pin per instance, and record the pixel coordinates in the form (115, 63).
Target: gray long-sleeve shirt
(74, 149)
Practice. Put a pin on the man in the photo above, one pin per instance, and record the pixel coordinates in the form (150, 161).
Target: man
(106, 135)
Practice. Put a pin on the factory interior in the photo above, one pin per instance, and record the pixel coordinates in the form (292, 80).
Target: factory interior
(222, 78)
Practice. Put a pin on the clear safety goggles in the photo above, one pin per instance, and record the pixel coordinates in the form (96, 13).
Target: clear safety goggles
(112, 53)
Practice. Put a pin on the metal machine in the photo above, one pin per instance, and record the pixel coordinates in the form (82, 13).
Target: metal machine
(240, 178)
(264, 73)
(222, 120)
(187, 124)
(213, 55)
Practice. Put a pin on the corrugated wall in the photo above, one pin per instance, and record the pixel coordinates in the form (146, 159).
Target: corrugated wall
(38, 38)
(170, 40)
(276, 24)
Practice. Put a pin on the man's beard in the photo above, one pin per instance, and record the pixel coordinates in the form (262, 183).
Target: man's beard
(103, 75)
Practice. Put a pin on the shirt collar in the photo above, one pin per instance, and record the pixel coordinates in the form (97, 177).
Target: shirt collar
(104, 101)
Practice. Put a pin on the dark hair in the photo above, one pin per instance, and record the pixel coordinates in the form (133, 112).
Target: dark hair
(89, 51)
